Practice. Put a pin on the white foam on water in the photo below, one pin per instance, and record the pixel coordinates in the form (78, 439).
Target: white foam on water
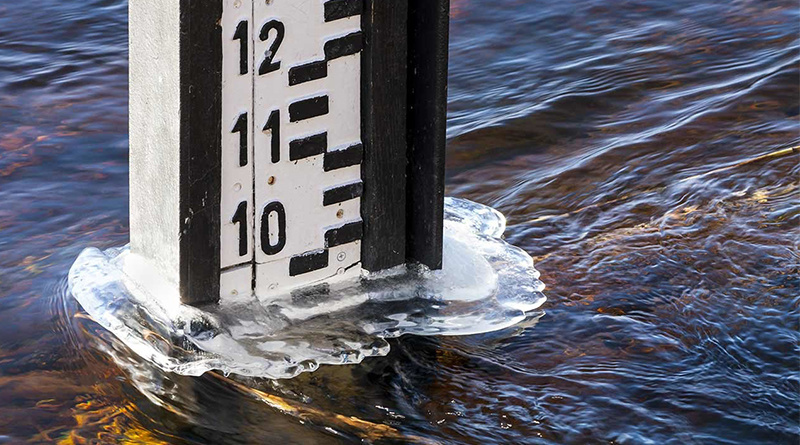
(485, 285)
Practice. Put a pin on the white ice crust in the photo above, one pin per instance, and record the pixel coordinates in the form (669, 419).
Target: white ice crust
(485, 285)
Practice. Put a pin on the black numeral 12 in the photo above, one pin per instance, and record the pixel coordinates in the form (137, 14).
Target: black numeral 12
(268, 66)
(243, 37)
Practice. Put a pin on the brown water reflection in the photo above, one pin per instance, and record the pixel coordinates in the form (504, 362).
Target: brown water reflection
(645, 152)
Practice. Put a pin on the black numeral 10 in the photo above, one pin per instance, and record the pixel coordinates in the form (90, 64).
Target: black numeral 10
(240, 218)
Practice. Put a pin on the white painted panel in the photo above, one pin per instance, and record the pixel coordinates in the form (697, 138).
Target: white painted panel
(299, 185)
(236, 282)
(155, 103)
(237, 179)
(346, 128)
(273, 280)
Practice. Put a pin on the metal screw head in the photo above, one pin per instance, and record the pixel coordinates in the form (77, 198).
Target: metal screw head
(340, 214)
(271, 180)
(341, 256)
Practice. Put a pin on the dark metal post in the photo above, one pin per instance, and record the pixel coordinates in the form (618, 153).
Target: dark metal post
(404, 100)
(384, 62)
(429, 31)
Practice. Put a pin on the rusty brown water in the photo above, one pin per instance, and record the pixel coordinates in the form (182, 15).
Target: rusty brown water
(645, 153)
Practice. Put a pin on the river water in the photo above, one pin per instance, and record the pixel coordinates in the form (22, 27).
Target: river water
(644, 152)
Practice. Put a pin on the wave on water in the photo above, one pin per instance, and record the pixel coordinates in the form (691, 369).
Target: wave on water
(485, 285)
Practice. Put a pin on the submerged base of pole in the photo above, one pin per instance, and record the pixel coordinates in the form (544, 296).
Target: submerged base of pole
(485, 285)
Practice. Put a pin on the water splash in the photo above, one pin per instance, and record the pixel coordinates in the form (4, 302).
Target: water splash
(485, 285)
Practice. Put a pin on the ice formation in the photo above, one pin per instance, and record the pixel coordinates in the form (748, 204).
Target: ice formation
(485, 284)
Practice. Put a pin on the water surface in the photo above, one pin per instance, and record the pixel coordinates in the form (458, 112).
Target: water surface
(644, 153)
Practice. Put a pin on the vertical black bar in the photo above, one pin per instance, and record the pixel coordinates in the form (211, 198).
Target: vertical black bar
(200, 149)
(383, 132)
(428, 31)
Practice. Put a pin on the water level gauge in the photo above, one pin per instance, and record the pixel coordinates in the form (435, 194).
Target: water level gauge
(278, 144)
(291, 156)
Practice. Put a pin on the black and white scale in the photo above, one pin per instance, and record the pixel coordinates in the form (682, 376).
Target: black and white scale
(278, 144)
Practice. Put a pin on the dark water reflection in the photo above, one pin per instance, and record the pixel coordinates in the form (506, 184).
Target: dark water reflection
(644, 152)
